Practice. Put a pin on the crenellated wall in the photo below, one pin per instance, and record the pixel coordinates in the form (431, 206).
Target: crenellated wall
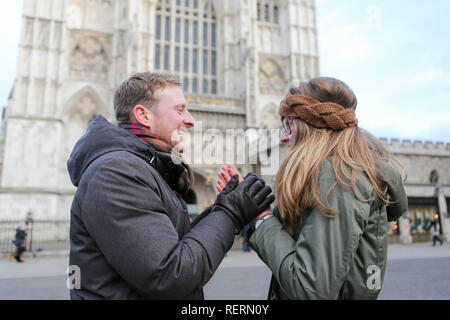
(417, 147)
(419, 159)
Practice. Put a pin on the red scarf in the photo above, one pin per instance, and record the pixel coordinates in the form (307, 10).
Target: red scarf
(184, 177)
(144, 134)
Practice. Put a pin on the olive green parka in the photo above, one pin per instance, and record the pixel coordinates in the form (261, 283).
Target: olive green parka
(333, 258)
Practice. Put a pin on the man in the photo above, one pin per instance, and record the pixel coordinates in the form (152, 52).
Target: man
(130, 234)
(435, 230)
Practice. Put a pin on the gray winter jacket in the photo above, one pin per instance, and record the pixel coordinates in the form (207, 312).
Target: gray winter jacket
(129, 231)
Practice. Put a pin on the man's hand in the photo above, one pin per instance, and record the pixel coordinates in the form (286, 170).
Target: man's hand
(245, 201)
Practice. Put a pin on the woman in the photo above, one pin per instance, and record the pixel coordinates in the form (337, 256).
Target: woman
(336, 192)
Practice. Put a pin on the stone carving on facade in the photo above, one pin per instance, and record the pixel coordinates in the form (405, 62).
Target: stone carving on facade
(89, 57)
(271, 77)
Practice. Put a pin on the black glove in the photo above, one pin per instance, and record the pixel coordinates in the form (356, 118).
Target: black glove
(244, 202)
(228, 188)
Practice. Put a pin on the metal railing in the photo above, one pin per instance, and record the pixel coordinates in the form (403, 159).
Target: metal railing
(42, 235)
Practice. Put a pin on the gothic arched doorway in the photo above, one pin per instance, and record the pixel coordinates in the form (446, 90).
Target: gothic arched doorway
(80, 110)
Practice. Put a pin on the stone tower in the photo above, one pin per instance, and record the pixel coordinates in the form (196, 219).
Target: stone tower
(236, 60)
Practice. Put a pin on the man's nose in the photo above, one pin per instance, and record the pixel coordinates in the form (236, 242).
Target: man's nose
(189, 120)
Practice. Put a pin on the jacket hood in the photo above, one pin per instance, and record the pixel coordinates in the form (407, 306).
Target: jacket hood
(398, 201)
(391, 177)
(100, 138)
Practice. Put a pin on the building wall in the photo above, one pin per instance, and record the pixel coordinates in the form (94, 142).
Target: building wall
(419, 159)
(427, 166)
(73, 55)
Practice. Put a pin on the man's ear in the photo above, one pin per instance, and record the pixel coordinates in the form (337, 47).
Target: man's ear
(142, 115)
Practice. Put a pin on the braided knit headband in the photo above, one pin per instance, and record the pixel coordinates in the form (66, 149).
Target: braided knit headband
(326, 115)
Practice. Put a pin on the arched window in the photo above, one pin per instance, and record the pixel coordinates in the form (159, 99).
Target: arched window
(434, 176)
(186, 39)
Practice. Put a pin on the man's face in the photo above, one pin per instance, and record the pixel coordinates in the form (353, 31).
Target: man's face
(170, 117)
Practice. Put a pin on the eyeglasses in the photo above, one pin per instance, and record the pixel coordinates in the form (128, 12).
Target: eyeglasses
(287, 125)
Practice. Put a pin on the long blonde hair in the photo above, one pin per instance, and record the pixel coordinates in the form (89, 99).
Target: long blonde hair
(350, 151)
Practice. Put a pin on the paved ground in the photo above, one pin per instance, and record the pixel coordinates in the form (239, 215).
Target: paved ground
(417, 271)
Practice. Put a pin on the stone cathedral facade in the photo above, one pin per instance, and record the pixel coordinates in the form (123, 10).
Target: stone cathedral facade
(235, 58)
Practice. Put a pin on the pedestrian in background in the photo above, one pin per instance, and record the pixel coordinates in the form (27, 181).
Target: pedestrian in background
(20, 243)
(435, 231)
(244, 238)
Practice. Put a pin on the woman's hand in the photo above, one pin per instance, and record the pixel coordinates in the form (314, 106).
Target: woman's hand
(225, 176)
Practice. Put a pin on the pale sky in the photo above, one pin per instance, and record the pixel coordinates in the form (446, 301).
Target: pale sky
(394, 54)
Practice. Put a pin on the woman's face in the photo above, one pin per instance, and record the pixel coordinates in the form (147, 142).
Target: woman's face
(288, 133)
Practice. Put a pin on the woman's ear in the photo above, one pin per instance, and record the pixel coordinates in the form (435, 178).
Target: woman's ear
(142, 115)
